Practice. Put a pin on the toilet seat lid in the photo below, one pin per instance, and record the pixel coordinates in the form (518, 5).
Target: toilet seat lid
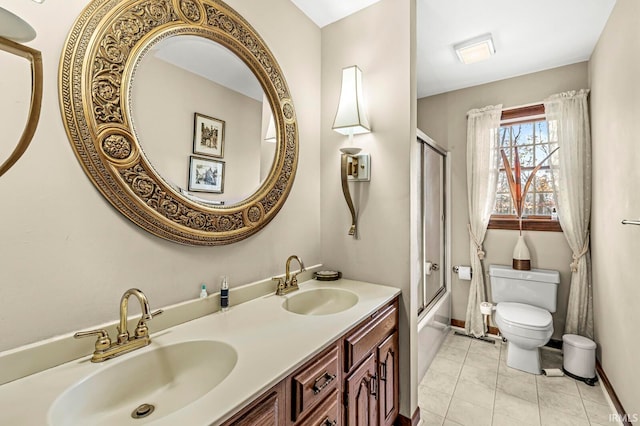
(524, 315)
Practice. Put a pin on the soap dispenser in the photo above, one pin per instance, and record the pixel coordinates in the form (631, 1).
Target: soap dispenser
(224, 294)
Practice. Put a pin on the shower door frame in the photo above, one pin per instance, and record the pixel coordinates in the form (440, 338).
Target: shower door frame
(425, 306)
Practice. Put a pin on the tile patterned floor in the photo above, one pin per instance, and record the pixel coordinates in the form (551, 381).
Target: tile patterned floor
(469, 383)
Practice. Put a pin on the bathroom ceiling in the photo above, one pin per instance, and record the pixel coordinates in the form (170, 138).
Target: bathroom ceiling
(324, 12)
(529, 36)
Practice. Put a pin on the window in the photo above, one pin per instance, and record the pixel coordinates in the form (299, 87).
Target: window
(526, 130)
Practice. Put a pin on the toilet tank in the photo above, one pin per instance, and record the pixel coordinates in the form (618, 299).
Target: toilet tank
(537, 287)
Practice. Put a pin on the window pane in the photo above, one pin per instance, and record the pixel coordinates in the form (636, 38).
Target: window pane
(533, 142)
(503, 185)
(541, 153)
(544, 203)
(543, 181)
(503, 204)
(522, 134)
(528, 205)
(542, 132)
(526, 155)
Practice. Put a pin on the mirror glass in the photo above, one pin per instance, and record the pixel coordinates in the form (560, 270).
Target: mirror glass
(202, 117)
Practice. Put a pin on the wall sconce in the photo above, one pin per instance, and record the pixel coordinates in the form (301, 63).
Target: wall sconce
(351, 119)
(13, 31)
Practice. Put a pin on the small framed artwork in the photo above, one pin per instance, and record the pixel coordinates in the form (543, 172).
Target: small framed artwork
(206, 175)
(208, 136)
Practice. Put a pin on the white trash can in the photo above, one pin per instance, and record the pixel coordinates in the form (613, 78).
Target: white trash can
(579, 358)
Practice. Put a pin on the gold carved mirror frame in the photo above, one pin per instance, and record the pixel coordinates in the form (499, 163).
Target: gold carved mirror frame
(97, 66)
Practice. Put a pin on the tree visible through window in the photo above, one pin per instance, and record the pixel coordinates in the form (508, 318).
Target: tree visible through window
(534, 138)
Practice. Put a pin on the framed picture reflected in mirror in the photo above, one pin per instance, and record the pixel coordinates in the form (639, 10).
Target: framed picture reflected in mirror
(208, 136)
(206, 175)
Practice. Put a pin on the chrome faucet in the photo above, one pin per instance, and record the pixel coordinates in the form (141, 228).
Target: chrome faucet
(290, 281)
(105, 349)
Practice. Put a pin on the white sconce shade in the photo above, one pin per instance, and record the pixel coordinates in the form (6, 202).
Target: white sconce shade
(351, 117)
(475, 50)
(14, 28)
(271, 131)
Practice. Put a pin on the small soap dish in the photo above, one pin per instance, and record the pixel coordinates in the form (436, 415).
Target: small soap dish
(327, 275)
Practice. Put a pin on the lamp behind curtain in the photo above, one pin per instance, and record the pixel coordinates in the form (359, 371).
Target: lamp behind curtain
(568, 117)
(482, 173)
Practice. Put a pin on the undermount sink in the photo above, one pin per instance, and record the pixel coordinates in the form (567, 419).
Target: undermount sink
(167, 378)
(320, 301)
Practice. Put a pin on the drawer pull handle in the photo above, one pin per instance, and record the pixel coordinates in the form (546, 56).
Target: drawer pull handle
(383, 372)
(373, 386)
(328, 378)
(327, 422)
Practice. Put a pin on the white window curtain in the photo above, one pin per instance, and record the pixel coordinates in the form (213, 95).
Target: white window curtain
(482, 173)
(568, 117)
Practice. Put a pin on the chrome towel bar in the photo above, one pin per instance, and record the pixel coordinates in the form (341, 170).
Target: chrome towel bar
(631, 222)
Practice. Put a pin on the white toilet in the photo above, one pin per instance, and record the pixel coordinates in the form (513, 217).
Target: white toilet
(525, 300)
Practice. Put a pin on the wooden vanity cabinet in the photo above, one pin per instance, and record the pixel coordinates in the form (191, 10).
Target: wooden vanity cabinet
(267, 410)
(353, 382)
(371, 367)
(313, 384)
(361, 407)
(327, 413)
(388, 396)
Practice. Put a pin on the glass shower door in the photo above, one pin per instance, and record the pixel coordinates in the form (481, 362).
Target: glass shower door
(433, 283)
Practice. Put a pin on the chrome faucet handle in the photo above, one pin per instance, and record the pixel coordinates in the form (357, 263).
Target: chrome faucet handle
(141, 329)
(280, 285)
(103, 341)
(293, 283)
(151, 315)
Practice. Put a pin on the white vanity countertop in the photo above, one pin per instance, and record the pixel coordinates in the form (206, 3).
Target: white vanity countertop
(270, 342)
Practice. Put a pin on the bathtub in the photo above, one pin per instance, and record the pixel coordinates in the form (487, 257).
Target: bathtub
(433, 327)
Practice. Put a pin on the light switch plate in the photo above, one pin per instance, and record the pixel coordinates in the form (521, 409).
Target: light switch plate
(364, 168)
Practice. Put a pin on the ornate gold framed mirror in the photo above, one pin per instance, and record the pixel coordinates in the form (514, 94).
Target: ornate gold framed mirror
(98, 67)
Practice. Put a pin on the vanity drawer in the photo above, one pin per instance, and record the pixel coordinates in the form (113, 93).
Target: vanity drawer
(313, 383)
(325, 414)
(361, 342)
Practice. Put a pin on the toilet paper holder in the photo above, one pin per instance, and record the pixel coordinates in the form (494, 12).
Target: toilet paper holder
(456, 269)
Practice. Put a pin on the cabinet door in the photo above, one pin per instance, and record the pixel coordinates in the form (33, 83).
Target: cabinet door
(266, 411)
(361, 400)
(388, 378)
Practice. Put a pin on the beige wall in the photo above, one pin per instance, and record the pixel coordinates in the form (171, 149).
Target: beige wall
(167, 138)
(615, 107)
(384, 53)
(443, 118)
(66, 256)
